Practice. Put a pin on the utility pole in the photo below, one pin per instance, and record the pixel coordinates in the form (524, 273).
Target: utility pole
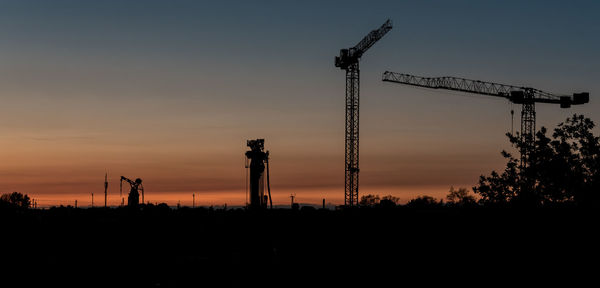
(292, 196)
(105, 187)
(193, 200)
(348, 61)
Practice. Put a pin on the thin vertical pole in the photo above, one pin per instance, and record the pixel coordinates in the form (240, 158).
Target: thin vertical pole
(105, 187)
(269, 182)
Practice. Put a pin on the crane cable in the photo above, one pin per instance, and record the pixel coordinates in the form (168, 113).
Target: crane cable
(512, 119)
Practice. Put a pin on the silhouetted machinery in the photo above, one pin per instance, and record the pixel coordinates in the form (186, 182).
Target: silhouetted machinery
(256, 160)
(134, 196)
(348, 61)
(519, 95)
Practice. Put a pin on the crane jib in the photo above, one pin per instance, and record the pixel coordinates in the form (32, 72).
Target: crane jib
(515, 94)
(350, 56)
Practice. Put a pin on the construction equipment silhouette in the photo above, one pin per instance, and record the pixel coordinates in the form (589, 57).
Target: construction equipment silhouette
(134, 197)
(258, 159)
(348, 61)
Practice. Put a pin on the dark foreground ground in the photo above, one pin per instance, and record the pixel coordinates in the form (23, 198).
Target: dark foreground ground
(160, 247)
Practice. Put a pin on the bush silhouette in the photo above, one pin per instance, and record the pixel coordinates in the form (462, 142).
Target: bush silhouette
(460, 197)
(16, 200)
(422, 202)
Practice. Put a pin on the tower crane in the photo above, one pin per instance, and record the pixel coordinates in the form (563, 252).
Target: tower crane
(134, 196)
(526, 96)
(348, 61)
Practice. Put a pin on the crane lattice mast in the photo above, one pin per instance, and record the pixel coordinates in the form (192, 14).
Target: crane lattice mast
(348, 61)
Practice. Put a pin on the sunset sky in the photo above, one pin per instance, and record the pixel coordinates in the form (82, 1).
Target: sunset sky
(169, 91)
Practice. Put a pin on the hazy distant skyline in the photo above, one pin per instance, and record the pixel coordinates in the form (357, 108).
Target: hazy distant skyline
(169, 91)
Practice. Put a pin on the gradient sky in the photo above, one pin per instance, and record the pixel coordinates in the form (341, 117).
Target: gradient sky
(169, 91)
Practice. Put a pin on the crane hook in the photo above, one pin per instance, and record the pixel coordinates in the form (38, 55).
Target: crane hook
(512, 119)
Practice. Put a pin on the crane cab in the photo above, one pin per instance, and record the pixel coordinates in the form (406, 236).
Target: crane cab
(517, 97)
(343, 61)
(565, 101)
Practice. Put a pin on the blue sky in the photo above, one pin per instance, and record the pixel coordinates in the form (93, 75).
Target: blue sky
(125, 85)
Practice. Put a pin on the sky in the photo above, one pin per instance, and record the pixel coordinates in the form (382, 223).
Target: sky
(169, 91)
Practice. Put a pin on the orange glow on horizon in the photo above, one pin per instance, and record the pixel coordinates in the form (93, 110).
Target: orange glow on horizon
(281, 197)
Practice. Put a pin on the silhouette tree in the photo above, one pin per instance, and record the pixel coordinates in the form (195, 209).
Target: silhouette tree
(424, 202)
(369, 200)
(562, 169)
(460, 197)
(500, 188)
(567, 167)
(389, 201)
(15, 199)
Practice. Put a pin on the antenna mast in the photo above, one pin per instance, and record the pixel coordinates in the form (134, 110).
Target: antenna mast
(105, 187)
